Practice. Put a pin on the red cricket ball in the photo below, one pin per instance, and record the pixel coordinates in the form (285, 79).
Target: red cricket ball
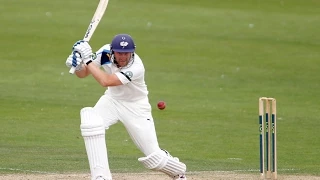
(161, 105)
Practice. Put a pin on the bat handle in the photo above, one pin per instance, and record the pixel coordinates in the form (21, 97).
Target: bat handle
(72, 70)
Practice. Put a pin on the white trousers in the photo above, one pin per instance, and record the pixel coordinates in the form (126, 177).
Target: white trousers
(136, 117)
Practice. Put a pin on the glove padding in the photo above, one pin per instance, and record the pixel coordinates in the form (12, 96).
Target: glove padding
(74, 60)
(84, 49)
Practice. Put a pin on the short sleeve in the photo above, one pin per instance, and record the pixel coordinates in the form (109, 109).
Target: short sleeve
(133, 73)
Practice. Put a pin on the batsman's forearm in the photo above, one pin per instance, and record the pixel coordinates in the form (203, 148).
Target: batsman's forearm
(102, 77)
(98, 74)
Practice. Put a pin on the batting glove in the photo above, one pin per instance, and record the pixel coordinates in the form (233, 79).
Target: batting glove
(83, 49)
(74, 60)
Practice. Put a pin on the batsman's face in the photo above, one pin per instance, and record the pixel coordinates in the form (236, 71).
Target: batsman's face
(122, 58)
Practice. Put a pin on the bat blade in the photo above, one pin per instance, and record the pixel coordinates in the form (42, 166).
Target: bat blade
(102, 6)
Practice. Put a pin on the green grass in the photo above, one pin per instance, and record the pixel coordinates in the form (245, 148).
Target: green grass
(209, 60)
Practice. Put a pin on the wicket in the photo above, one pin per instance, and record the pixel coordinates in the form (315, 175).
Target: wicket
(269, 140)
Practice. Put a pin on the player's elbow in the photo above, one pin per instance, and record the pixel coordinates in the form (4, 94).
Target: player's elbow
(104, 83)
(110, 82)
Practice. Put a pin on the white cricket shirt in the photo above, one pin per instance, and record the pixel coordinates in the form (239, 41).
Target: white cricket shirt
(132, 77)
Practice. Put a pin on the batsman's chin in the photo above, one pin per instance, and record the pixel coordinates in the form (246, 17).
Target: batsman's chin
(122, 63)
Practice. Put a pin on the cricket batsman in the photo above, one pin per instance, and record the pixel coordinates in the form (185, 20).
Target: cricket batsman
(117, 67)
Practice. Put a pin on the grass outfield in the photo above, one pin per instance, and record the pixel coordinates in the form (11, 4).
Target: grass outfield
(209, 60)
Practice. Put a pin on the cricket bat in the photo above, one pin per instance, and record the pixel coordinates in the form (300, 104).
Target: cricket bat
(102, 6)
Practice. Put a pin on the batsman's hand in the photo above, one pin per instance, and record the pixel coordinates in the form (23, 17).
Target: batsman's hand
(74, 60)
(83, 49)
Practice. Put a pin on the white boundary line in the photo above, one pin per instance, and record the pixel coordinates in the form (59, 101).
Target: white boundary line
(24, 170)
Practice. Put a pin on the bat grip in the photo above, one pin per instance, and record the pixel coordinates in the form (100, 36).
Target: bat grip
(72, 70)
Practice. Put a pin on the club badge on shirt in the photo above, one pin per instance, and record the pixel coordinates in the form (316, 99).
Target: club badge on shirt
(129, 74)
